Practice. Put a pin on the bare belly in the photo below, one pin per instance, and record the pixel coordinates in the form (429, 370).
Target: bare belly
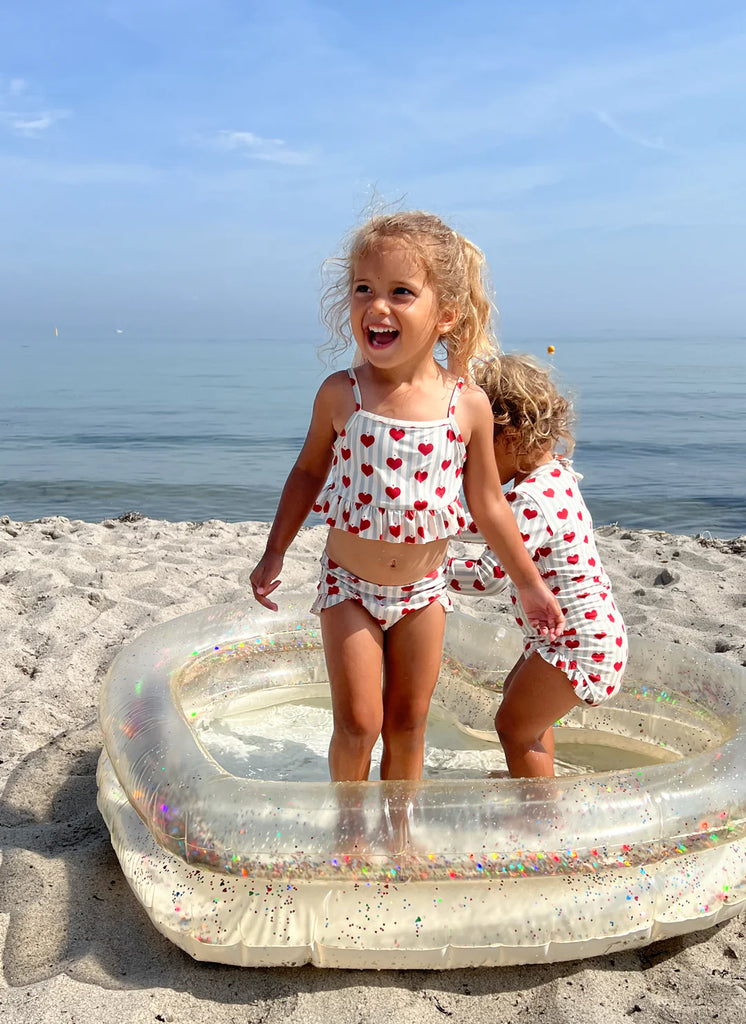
(380, 562)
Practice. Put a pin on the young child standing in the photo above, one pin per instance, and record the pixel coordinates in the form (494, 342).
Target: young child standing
(586, 663)
(400, 434)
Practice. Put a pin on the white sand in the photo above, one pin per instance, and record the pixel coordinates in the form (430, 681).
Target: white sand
(76, 946)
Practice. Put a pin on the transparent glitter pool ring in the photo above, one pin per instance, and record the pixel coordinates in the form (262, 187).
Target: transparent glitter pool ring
(435, 874)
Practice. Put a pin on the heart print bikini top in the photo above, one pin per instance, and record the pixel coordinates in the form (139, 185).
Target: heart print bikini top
(396, 480)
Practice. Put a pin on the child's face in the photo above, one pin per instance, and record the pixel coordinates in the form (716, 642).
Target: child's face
(394, 311)
(506, 458)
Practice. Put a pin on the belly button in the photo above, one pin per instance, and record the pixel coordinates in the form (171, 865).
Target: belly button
(392, 563)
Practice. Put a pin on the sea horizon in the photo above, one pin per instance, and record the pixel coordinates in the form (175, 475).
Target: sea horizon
(197, 429)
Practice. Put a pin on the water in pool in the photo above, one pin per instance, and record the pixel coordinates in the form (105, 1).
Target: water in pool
(289, 742)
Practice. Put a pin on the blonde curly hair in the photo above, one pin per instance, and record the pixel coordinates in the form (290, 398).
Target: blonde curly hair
(526, 402)
(454, 267)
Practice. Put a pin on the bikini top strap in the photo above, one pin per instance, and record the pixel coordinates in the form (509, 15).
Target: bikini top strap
(455, 396)
(355, 389)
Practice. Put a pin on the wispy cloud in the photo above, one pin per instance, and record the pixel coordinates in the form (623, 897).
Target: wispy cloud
(629, 136)
(23, 113)
(257, 148)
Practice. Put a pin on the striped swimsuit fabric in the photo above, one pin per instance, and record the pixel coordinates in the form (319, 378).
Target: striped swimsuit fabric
(387, 604)
(557, 530)
(396, 480)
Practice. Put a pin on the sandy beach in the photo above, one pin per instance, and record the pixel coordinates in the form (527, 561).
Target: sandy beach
(76, 946)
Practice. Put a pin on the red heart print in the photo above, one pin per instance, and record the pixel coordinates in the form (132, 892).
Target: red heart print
(445, 463)
(609, 690)
(594, 677)
(544, 552)
(346, 515)
(530, 513)
(571, 666)
(393, 492)
(367, 440)
(393, 463)
(549, 492)
(409, 540)
(598, 656)
(346, 481)
(569, 537)
(397, 433)
(591, 561)
(450, 435)
(421, 531)
(619, 641)
(600, 636)
(420, 475)
(478, 585)
(591, 614)
(458, 471)
(498, 573)
(394, 530)
(572, 644)
(364, 524)
(562, 514)
(525, 537)
(617, 666)
(353, 529)
(420, 505)
(333, 590)
(409, 514)
(568, 492)
(345, 453)
(331, 579)
(366, 469)
(555, 472)
(424, 448)
(365, 498)
(519, 620)
(573, 559)
(556, 590)
(440, 491)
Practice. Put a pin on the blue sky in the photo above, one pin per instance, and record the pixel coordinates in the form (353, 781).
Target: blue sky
(182, 167)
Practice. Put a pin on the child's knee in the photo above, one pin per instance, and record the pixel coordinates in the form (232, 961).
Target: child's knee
(511, 730)
(358, 731)
(406, 729)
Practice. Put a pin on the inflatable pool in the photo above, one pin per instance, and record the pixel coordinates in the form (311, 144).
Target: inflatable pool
(248, 870)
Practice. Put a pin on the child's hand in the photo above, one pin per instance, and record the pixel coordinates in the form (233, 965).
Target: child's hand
(542, 610)
(264, 579)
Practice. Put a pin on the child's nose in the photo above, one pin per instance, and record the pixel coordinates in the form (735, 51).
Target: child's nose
(380, 304)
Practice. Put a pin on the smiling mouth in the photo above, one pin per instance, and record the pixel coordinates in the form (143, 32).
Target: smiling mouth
(379, 337)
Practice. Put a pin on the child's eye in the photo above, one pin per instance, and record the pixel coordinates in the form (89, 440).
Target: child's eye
(401, 290)
(361, 289)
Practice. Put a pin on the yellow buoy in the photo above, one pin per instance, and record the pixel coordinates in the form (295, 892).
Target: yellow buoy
(550, 349)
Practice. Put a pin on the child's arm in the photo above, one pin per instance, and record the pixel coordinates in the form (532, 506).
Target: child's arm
(482, 575)
(495, 521)
(307, 477)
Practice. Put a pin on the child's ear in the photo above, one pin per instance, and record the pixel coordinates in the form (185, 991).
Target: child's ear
(447, 320)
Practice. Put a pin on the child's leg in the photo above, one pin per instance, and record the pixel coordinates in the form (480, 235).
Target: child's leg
(535, 696)
(412, 654)
(547, 739)
(353, 648)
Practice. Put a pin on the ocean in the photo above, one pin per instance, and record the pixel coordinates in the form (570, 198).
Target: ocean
(194, 430)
